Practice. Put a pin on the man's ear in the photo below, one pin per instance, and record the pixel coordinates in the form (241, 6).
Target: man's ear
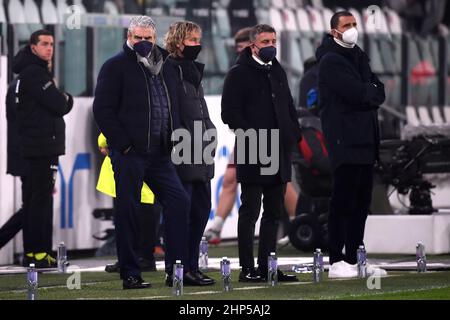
(33, 48)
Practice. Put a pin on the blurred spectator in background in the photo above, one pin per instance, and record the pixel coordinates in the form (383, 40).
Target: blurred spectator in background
(308, 97)
(421, 16)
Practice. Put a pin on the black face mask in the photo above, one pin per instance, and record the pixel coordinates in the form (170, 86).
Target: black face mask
(191, 52)
(143, 48)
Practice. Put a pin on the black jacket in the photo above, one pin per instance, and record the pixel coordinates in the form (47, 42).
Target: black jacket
(349, 97)
(192, 108)
(41, 107)
(122, 106)
(16, 165)
(258, 97)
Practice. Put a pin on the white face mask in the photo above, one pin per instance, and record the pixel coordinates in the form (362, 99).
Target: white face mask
(350, 36)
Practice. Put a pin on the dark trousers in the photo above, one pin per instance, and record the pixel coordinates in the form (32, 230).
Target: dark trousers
(149, 217)
(38, 205)
(248, 215)
(200, 195)
(349, 207)
(157, 170)
(15, 223)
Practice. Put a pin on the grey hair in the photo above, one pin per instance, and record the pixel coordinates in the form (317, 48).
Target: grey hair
(258, 29)
(143, 22)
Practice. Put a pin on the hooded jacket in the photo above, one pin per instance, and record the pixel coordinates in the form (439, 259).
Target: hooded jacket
(349, 97)
(41, 107)
(257, 97)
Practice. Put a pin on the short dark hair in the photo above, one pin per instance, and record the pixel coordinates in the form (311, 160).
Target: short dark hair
(260, 28)
(242, 35)
(334, 22)
(34, 38)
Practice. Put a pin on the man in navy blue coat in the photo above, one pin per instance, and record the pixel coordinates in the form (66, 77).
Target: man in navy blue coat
(349, 97)
(133, 106)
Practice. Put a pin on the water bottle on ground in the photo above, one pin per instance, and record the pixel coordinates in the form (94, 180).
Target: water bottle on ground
(32, 282)
(203, 255)
(62, 258)
(272, 269)
(317, 265)
(421, 257)
(226, 273)
(362, 262)
(177, 285)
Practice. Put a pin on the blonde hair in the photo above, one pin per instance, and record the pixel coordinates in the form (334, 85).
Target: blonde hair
(178, 31)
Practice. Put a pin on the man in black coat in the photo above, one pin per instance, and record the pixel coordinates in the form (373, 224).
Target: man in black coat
(40, 110)
(133, 109)
(349, 97)
(194, 158)
(256, 97)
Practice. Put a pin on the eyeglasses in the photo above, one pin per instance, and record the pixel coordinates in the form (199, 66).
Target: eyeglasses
(135, 37)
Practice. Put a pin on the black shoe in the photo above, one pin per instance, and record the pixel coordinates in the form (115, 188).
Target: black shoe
(282, 277)
(135, 282)
(207, 280)
(190, 279)
(249, 275)
(112, 268)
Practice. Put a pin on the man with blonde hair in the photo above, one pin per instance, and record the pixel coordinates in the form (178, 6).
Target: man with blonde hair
(183, 41)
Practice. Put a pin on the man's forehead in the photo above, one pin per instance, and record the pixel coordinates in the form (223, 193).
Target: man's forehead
(266, 36)
(144, 31)
(45, 39)
(346, 20)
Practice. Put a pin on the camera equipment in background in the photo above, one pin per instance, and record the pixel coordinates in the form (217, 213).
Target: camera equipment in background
(403, 164)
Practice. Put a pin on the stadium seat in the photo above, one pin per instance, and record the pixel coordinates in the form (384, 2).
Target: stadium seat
(316, 21)
(2, 13)
(222, 22)
(62, 9)
(438, 118)
(79, 4)
(16, 12)
(394, 21)
(447, 114)
(276, 19)
(279, 4)
(49, 13)
(304, 25)
(110, 8)
(424, 116)
(289, 20)
(31, 12)
(326, 16)
(358, 19)
(411, 116)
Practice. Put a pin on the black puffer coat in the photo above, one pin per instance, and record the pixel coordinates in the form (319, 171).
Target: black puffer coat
(40, 109)
(192, 113)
